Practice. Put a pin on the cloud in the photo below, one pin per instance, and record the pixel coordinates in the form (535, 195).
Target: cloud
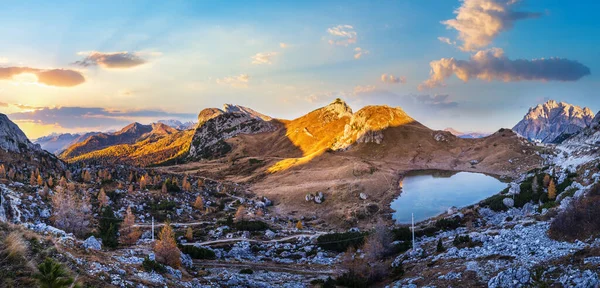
(385, 78)
(239, 81)
(447, 41)
(491, 65)
(343, 34)
(359, 52)
(478, 22)
(284, 45)
(93, 118)
(50, 77)
(263, 58)
(436, 101)
(364, 89)
(110, 60)
(2, 104)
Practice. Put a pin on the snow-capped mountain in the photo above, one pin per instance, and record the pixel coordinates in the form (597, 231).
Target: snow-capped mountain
(553, 121)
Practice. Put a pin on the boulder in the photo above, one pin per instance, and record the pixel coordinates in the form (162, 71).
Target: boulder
(186, 260)
(309, 197)
(512, 277)
(92, 243)
(452, 210)
(508, 202)
(270, 234)
(362, 196)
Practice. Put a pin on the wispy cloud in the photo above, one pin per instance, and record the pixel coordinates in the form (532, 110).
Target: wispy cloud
(239, 81)
(50, 77)
(437, 101)
(363, 89)
(284, 45)
(491, 65)
(85, 117)
(263, 58)
(359, 52)
(447, 41)
(478, 22)
(385, 78)
(343, 35)
(111, 60)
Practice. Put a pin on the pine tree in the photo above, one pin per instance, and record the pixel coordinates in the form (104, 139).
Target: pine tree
(551, 190)
(129, 233)
(108, 227)
(166, 248)
(299, 225)
(189, 234)
(440, 246)
(52, 275)
(199, 203)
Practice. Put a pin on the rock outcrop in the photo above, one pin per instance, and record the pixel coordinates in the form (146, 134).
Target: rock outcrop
(215, 126)
(12, 139)
(553, 121)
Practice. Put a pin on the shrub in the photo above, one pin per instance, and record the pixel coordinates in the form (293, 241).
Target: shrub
(440, 246)
(52, 275)
(460, 239)
(448, 223)
(246, 271)
(245, 225)
(198, 252)
(353, 280)
(340, 242)
(150, 266)
(108, 228)
(402, 234)
(495, 203)
(580, 220)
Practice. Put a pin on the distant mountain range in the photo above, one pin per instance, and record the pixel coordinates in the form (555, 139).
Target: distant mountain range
(553, 122)
(466, 135)
(178, 124)
(57, 143)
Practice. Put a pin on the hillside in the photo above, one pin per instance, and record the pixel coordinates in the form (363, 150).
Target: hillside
(136, 144)
(553, 121)
(342, 154)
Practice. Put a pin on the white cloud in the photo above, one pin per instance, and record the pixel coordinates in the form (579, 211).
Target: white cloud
(363, 89)
(284, 45)
(359, 52)
(385, 78)
(480, 21)
(263, 58)
(239, 81)
(491, 65)
(343, 35)
(447, 41)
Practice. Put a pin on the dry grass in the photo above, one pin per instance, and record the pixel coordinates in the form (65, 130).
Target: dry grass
(15, 246)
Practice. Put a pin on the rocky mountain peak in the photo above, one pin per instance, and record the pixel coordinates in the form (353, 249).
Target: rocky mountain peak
(135, 128)
(230, 108)
(339, 108)
(548, 121)
(12, 139)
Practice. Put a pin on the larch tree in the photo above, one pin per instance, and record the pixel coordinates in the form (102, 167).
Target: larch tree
(129, 234)
(164, 188)
(11, 173)
(102, 199)
(299, 225)
(546, 181)
(551, 190)
(2, 171)
(199, 203)
(189, 234)
(166, 248)
(240, 214)
(142, 183)
(71, 214)
(40, 180)
(32, 179)
(62, 182)
(50, 181)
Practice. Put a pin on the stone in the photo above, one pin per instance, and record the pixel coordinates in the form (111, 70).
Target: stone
(362, 196)
(270, 234)
(508, 202)
(92, 243)
(452, 210)
(186, 260)
(309, 197)
(512, 277)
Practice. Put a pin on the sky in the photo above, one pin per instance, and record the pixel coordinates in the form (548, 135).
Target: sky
(474, 65)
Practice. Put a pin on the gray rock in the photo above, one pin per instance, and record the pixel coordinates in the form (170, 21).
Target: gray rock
(92, 243)
(512, 277)
(362, 196)
(186, 260)
(508, 202)
(270, 234)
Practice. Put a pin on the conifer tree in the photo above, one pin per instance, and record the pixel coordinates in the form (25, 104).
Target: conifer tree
(128, 233)
(299, 225)
(2, 171)
(108, 227)
(551, 190)
(199, 203)
(189, 234)
(102, 199)
(40, 180)
(240, 214)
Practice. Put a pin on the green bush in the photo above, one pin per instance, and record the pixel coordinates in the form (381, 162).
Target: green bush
(246, 271)
(198, 252)
(402, 234)
(150, 266)
(340, 242)
(352, 280)
(460, 239)
(495, 203)
(108, 228)
(245, 225)
(448, 223)
(52, 275)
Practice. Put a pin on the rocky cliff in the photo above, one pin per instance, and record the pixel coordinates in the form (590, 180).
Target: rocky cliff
(12, 139)
(553, 121)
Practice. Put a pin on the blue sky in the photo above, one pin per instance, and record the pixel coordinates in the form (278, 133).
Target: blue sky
(171, 59)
